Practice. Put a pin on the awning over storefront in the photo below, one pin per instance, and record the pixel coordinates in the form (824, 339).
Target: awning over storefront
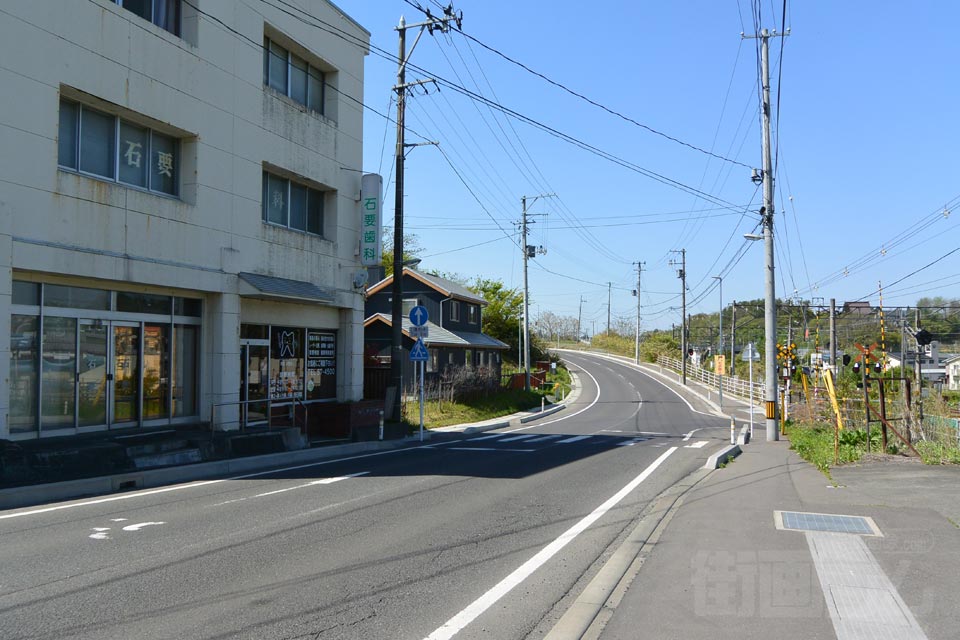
(255, 285)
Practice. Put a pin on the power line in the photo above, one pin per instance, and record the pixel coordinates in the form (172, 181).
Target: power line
(613, 112)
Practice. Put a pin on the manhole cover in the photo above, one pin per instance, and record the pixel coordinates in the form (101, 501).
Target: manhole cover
(799, 521)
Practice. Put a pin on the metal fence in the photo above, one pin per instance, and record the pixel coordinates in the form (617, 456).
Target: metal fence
(731, 384)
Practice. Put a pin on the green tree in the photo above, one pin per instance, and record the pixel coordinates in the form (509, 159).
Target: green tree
(411, 249)
(503, 314)
(659, 343)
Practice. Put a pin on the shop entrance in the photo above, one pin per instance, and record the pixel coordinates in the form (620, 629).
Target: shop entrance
(254, 381)
(109, 390)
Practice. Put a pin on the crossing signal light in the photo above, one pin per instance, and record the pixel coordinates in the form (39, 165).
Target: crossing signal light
(856, 367)
(846, 359)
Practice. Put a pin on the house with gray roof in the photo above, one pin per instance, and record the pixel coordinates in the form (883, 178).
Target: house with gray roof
(455, 319)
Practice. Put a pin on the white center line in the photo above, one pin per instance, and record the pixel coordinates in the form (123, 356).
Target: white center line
(455, 624)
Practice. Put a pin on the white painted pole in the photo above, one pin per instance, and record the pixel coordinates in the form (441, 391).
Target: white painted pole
(421, 400)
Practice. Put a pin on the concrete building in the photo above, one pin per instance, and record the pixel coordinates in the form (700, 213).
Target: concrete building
(179, 212)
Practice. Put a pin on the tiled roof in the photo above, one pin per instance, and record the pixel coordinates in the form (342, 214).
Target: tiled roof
(271, 287)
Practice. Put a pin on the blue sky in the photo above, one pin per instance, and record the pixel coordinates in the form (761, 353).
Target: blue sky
(868, 139)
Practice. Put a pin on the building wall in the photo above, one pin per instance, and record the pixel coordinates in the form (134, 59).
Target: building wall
(206, 89)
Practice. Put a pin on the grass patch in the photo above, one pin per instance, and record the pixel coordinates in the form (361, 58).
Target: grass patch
(814, 443)
(494, 405)
(936, 453)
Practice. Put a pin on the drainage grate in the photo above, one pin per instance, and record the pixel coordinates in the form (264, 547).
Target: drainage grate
(798, 521)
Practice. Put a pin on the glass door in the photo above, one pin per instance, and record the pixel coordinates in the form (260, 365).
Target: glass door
(254, 363)
(126, 374)
(92, 374)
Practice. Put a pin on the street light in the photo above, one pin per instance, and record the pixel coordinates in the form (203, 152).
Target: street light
(720, 351)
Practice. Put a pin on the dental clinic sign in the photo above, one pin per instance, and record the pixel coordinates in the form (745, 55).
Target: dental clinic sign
(371, 251)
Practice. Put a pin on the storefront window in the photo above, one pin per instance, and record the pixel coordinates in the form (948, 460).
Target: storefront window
(321, 365)
(55, 295)
(185, 339)
(93, 374)
(26, 293)
(143, 303)
(23, 373)
(286, 363)
(156, 371)
(59, 368)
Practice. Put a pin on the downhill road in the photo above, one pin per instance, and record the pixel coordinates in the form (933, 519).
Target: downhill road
(489, 535)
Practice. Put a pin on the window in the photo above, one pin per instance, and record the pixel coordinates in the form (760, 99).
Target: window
(292, 76)
(163, 13)
(108, 147)
(408, 305)
(292, 205)
(454, 311)
(468, 358)
(472, 313)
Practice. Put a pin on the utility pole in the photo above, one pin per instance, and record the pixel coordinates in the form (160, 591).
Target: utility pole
(720, 348)
(396, 309)
(609, 285)
(919, 366)
(636, 348)
(733, 336)
(767, 211)
(682, 274)
(579, 316)
(529, 251)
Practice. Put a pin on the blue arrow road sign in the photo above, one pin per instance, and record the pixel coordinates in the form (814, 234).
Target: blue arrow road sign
(419, 315)
(419, 352)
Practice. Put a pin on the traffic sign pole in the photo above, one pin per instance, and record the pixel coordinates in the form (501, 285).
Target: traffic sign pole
(422, 363)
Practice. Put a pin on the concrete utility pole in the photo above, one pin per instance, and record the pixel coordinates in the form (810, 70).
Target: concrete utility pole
(396, 308)
(609, 285)
(579, 316)
(733, 336)
(682, 274)
(529, 251)
(767, 211)
(636, 348)
(720, 349)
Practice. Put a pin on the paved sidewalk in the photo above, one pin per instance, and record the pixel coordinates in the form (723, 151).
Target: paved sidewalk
(720, 568)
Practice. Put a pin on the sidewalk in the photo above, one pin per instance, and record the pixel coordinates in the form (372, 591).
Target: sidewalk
(718, 566)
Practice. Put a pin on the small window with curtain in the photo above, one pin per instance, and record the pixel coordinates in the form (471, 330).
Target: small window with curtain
(293, 205)
(163, 13)
(289, 74)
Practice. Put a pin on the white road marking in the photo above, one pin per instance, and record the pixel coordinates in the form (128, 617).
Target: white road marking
(312, 483)
(101, 533)
(689, 434)
(141, 525)
(520, 437)
(495, 435)
(650, 375)
(573, 439)
(566, 417)
(699, 444)
(455, 624)
(552, 436)
(489, 449)
(118, 519)
(193, 485)
(632, 442)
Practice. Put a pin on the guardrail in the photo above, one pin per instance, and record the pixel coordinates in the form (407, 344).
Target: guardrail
(731, 384)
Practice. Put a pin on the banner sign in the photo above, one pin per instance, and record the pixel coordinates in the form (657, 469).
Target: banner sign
(371, 250)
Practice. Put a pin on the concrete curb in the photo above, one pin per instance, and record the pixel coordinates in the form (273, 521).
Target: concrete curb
(744, 437)
(17, 497)
(483, 427)
(720, 457)
(543, 414)
(585, 617)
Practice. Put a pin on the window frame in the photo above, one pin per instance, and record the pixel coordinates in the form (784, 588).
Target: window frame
(473, 314)
(311, 194)
(77, 150)
(178, 19)
(454, 311)
(311, 102)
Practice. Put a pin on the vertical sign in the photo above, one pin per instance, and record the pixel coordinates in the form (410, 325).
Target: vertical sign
(371, 186)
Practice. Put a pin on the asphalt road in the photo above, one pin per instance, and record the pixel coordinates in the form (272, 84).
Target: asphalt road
(482, 536)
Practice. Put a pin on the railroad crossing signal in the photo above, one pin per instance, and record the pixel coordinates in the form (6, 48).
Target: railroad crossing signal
(787, 356)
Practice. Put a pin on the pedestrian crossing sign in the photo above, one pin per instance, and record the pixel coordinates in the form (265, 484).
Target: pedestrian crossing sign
(419, 352)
